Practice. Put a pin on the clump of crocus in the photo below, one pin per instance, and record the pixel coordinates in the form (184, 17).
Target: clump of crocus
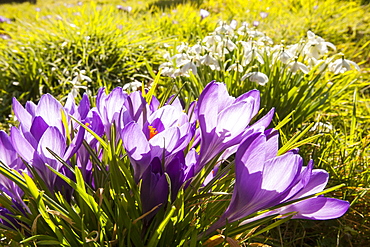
(134, 170)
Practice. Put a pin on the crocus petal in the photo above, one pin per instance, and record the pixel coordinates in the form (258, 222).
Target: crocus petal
(21, 145)
(233, 120)
(7, 152)
(138, 150)
(167, 141)
(318, 180)
(38, 127)
(50, 110)
(319, 208)
(55, 141)
(211, 101)
(23, 116)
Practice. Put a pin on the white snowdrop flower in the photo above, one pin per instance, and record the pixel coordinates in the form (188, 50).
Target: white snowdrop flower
(80, 77)
(167, 68)
(233, 24)
(247, 45)
(265, 40)
(203, 13)
(242, 30)
(250, 55)
(224, 29)
(292, 49)
(236, 67)
(189, 65)
(257, 77)
(295, 66)
(167, 71)
(210, 61)
(176, 73)
(255, 33)
(342, 65)
(316, 46)
(229, 45)
(312, 62)
(182, 47)
(285, 57)
(132, 86)
(77, 82)
(180, 58)
(196, 49)
(167, 56)
(212, 40)
(324, 127)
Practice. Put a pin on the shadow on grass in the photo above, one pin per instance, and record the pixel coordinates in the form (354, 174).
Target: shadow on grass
(17, 1)
(163, 4)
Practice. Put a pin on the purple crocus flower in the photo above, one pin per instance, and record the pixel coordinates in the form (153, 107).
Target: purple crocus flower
(265, 180)
(9, 158)
(110, 106)
(154, 189)
(224, 120)
(264, 14)
(41, 127)
(166, 132)
(4, 19)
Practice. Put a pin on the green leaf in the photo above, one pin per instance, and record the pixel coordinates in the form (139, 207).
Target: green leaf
(158, 232)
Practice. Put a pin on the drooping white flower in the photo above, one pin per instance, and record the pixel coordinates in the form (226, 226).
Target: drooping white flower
(250, 55)
(182, 47)
(235, 67)
(242, 30)
(188, 65)
(285, 57)
(257, 77)
(210, 61)
(77, 82)
(212, 40)
(203, 13)
(196, 49)
(224, 29)
(342, 65)
(132, 86)
(233, 24)
(180, 58)
(167, 69)
(316, 46)
(295, 66)
(323, 127)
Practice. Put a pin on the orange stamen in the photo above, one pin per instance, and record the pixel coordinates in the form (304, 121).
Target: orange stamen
(152, 132)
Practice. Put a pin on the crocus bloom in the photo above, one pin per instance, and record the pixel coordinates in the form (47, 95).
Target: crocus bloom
(4, 19)
(10, 159)
(41, 127)
(223, 120)
(264, 14)
(166, 132)
(265, 180)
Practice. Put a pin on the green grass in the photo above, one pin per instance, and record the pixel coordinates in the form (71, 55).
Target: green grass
(114, 47)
